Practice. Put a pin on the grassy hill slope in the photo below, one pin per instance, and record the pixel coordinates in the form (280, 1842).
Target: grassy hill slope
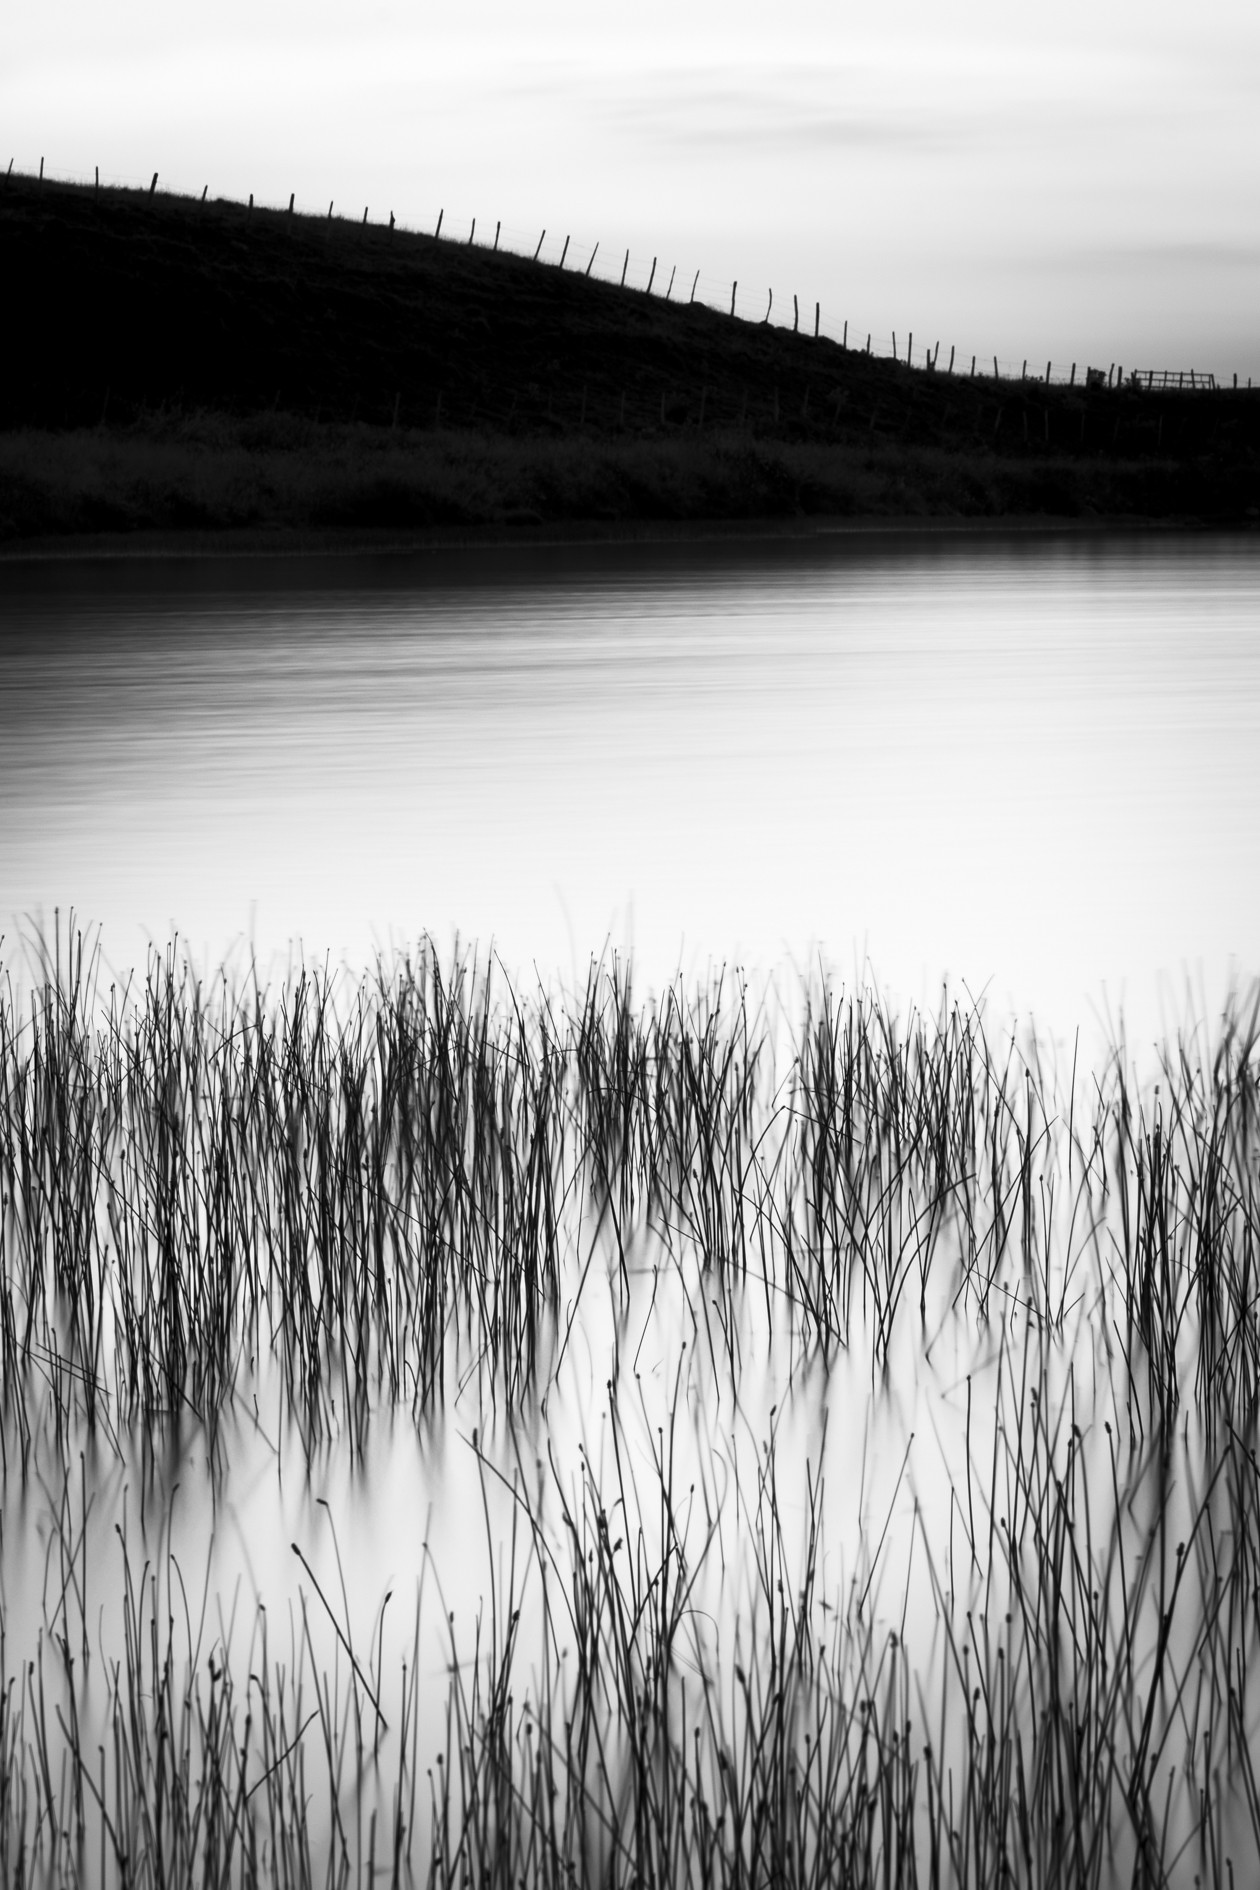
(177, 364)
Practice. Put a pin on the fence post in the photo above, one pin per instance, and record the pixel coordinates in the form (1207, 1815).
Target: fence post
(204, 189)
(625, 265)
(251, 199)
(909, 350)
(330, 205)
(996, 376)
(153, 185)
(438, 231)
(845, 342)
(817, 315)
(365, 211)
(769, 306)
(795, 315)
(1047, 374)
(673, 272)
(472, 231)
(972, 375)
(498, 226)
(951, 361)
(540, 244)
(98, 177)
(691, 298)
(594, 254)
(564, 252)
(894, 336)
(1072, 377)
(41, 170)
(734, 286)
(651, 280)
(292, 195)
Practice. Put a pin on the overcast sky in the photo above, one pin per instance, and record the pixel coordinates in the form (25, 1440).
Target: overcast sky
(1077, 183)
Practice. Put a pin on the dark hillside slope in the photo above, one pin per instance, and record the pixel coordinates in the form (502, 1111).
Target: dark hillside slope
(133, 315)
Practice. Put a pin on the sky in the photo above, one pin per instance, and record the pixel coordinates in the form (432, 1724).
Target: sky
(1077, 183)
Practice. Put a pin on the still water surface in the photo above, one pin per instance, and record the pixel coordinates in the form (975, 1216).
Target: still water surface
(1028, 764)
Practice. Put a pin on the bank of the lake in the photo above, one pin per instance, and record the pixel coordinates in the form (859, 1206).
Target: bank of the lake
(250, 370)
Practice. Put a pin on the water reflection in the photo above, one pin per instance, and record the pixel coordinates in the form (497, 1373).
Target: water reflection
(1025, 762)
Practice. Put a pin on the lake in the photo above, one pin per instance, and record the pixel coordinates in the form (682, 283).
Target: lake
(762, 1416)
(1023, 762)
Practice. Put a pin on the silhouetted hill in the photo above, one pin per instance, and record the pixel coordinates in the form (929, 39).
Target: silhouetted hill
(363, 375)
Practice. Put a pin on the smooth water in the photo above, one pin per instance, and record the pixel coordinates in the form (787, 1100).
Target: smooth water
(1025, 763)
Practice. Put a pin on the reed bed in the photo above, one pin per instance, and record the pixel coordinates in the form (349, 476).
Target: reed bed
(851, 1418)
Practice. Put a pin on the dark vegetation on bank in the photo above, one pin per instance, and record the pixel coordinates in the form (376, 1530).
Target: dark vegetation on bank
(185, 365)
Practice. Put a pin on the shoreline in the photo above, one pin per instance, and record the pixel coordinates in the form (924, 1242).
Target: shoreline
(255, 542)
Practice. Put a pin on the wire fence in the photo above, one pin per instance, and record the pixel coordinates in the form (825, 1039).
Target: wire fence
(657, 275)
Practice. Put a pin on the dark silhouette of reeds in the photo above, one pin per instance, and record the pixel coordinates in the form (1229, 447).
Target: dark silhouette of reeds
(367, 1196)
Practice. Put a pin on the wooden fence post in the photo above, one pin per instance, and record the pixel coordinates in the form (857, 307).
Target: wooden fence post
(153, 185)
(995, 372)
(594, 254)
(795, 315)
(625, 265)
(894, 344)
(564, 252)
(251, 199)
(330, 205)
(365, 211)
(438, 231)
(769, 306)
(950, 369)
(972, 375)
(472, 231)
(691, 298)
(817, 318)
(651, 280)
(909, 349)
(845, 343)
(498, 226)
(41, 170)
(98, 177)
(734, 286)
(1047, 373)
(540, 244)
(1072, 376)
(204, 189)
(292, 195)
(673, 272)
